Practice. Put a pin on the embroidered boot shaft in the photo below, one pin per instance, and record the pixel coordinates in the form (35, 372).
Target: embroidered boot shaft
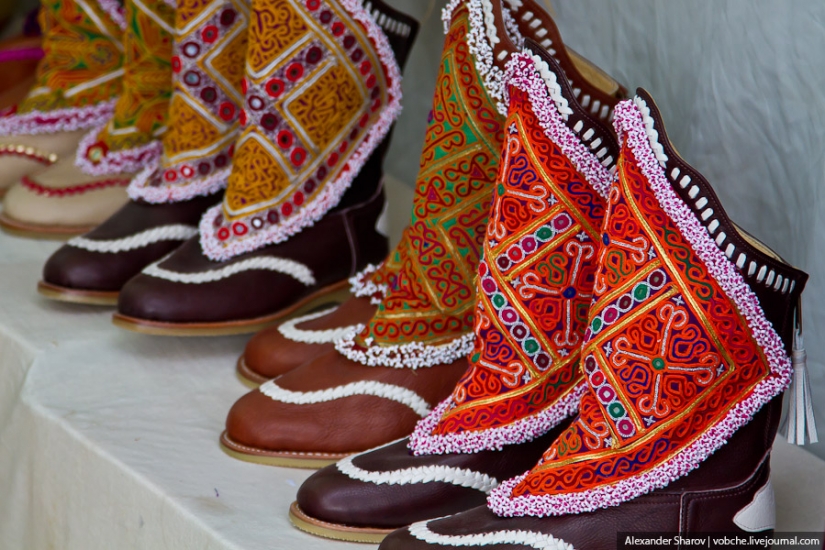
(204, 113)
(81, 72)
(679, 354)
(321, 90)
(426, 317)
(129, 140)
(168, 199)
(535, 284)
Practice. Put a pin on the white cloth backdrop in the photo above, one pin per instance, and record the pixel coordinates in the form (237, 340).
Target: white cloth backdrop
(741, 86)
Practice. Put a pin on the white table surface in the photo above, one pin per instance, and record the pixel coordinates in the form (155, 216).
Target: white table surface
(109, 440)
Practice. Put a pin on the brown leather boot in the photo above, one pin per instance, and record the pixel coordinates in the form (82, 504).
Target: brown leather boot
(168, 197)
(524, 377)
(685, 357)
(304, 195)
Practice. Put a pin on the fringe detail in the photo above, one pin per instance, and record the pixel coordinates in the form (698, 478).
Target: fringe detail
(58, 120)
(414, 355)
(124, 161)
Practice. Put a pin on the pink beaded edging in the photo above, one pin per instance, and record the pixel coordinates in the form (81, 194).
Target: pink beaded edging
(116, 162)
(58, 120)
(423, 442)
(629, 122)
(199, 187)
(115, 11)
(331, 195)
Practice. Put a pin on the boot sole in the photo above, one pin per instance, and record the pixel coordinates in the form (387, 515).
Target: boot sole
(248, 377)
(337, 292)
(77, 296)
(44, 232)
(286, 459)
(335, 531)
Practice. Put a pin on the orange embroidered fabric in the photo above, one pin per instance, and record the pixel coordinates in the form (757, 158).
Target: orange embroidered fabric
(430, 298)
(677, 354)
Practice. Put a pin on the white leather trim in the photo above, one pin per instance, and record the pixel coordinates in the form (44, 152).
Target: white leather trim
(378, 389)
(327, 336)
(760, 514)
(177, 232)
(288, 267)
(461, 477)
(531, 539)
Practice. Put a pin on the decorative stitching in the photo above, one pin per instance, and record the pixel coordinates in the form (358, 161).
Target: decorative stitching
(27, 152)
(58, 120)
(116, 162)
(399, 394)
(177, 232)
(531, 539)
(292, 268)
(60, 192)
(460, 477)
(290, 331)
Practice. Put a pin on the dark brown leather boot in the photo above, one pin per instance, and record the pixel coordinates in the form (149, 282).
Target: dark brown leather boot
(686, 357)
(304, 194)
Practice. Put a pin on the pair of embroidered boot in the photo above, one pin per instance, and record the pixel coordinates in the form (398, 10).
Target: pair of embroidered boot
(295, 133)
(91, 119)
(614, 285)
(406, 354)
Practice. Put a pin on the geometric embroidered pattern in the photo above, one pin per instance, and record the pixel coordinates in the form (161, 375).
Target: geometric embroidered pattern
(79, 76)
(129, 140)
(426, 316)
(535, 281)
(678, 354)
(321, 90)
(204, 114)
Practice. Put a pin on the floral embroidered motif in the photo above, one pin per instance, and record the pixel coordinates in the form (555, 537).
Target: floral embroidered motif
(320, 92)
(207, 65)
(128, 141)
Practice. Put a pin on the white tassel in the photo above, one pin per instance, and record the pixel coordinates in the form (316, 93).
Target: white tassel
(801, 409)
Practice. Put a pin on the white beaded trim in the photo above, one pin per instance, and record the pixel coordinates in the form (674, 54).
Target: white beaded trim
(177, 232)
(365, 387)
(123, 161)
(461, 477)
(406, 356)
(290, 331)
(332, 192)
(361, 285)
(633, 124)
(266, 263)
(531, 539)
(58, 120)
